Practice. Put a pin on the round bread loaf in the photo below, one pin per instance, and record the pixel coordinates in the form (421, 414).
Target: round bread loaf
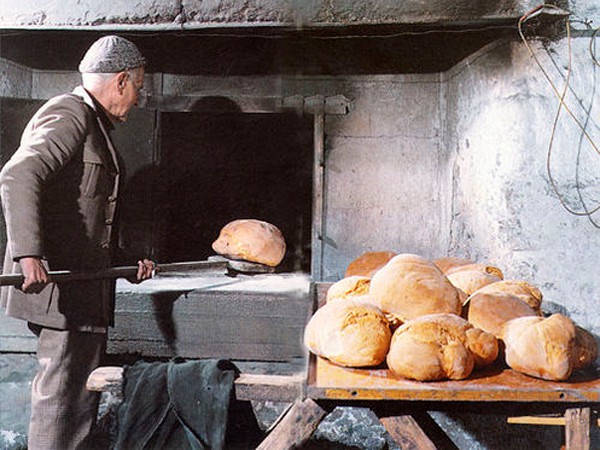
(586, 348)
(368, 263)
(410, 286)
(522, 289)
(471, 277)
(349, 333)
(446, 263)
(483, 346)
(485, 268)
(428, 350)
(357, 288)
(490, 311)
(540, 347)
(251, 240)
(350, 287)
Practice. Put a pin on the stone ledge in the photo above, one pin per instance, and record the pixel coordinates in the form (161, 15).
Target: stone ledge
(258, 317)
(196, 14)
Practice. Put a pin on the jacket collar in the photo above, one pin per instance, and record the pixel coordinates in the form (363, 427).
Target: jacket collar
(93, 103)
(105, 124)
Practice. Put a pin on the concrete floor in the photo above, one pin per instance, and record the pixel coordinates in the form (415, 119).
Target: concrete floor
(16, 371)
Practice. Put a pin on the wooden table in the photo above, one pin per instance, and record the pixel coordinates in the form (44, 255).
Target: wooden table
(402, 405)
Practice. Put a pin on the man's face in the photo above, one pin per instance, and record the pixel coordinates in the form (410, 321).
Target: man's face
(133, 84)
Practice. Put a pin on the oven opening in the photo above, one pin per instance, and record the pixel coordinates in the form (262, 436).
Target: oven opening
(213, 169)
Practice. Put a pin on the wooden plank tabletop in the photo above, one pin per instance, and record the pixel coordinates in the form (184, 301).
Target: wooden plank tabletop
(333, 382)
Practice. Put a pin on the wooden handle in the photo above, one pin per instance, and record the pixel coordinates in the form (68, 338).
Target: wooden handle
(63, 276)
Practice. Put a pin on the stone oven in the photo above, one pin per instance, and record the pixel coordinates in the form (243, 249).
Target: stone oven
(235, 126)
(353, 126)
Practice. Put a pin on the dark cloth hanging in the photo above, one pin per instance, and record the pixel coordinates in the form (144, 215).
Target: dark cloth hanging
(175, 405)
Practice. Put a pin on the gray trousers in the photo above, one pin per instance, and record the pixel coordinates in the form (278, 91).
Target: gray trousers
(63, 411)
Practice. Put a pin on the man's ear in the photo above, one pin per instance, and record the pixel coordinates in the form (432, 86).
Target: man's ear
(121, 81)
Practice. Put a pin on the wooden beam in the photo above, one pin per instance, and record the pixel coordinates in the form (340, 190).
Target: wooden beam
(407, 433)
(248, 386)
(318, 210)
(296, 427)
(106, 379)
(65, 276)
(276, 388)
(493, 384)
(554, 420)
(577, 429)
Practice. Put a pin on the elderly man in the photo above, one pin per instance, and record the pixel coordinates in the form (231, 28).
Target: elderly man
(59, 196)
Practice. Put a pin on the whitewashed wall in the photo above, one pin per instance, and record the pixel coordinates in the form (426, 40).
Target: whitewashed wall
(504, 209)
(451, 163)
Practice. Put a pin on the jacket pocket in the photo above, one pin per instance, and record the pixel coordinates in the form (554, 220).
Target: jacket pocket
(95, 180)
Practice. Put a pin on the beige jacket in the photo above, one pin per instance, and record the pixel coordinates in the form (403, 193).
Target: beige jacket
(59, 195)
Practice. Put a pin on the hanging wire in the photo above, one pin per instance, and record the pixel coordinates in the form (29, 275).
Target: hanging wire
(593, 46)
(581, 137)
(561, 97)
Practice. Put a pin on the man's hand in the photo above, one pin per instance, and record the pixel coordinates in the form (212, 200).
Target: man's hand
(146, 269)
(35, 274)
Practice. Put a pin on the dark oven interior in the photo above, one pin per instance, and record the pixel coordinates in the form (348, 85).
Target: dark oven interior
(211, 169)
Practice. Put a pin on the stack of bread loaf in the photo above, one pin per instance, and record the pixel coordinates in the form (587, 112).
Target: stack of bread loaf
(442, 319)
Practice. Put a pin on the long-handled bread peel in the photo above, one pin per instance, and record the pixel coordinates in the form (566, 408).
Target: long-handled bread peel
(210, 265)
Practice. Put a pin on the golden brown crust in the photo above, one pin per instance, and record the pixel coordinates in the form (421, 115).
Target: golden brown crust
(446, 263)
(483, 268)
(427, 351)
(349, 287)
(251, 240)
(490, 311)
(368, 263)
(469, 278)
(410, 286)
(349, 333)
(483, 345)
(540, 347)
(522, 289)
(586, 348)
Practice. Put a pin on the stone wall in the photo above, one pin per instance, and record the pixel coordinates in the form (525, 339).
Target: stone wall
(504, 207)
(441, 163)
(182, 14)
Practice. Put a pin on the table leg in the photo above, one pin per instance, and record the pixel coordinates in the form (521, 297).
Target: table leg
(295, 427)
(407, 433)
(577, 428)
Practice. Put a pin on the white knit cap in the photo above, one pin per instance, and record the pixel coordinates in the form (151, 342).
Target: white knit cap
(111, 54)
